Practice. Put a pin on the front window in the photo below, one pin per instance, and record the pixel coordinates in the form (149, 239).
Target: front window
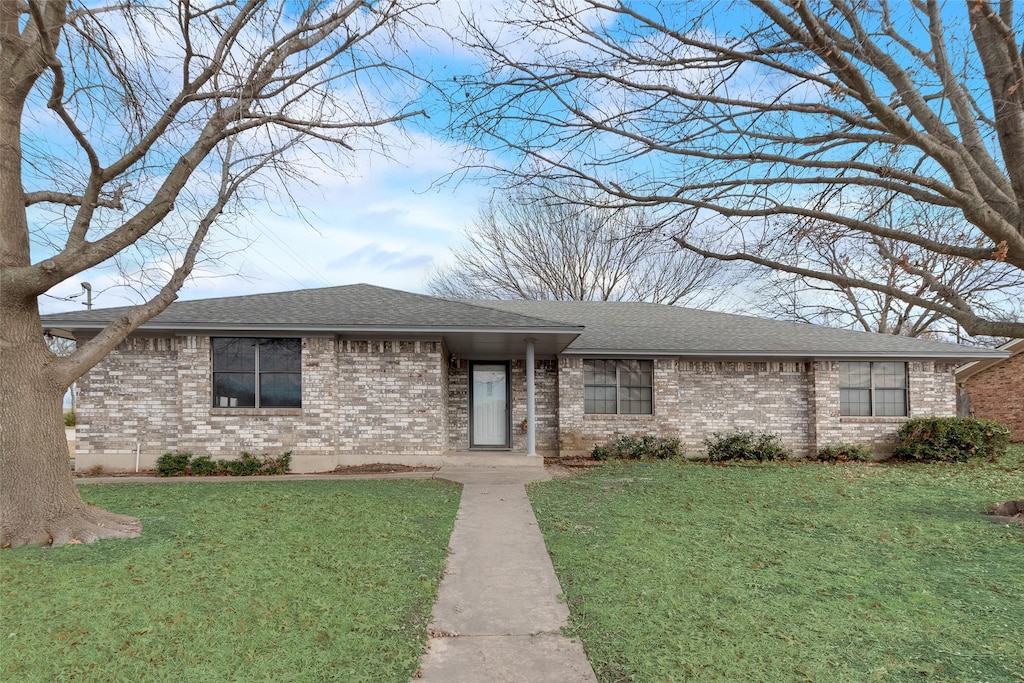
(257, 373)
(624, 387)
(878, 389)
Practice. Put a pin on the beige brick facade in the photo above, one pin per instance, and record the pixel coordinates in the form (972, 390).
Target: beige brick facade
(399, 400)
(799, 401)
(368, 399)
(693, 400)
(931, 392)
(545, 390)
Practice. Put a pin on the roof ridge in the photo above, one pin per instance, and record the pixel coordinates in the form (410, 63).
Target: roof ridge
(483, 303)
(235, 297)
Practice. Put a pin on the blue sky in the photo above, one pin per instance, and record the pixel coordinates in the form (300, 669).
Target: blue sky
(389, 226)
(384, 220)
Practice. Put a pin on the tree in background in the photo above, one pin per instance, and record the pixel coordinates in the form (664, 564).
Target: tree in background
(141, 128)
(748, 121)
(538, 243)
(986, 286)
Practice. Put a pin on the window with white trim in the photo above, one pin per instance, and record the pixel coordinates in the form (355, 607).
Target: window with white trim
(624, 387)
(872, 388)
(249, 372)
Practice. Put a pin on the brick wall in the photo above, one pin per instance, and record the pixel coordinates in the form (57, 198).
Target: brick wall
(545, 388)
(370, 398)
(830, 428)
(728, 396)
(692, 400)
(932, 388)
(129, 400)
(446, 416)
(997, 393)
(545, 395)
(932, 392)
(390, 397)
(226, 432)
(799, 401)
(365, 400)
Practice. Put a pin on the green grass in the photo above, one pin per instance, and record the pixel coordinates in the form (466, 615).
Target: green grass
(805, 572)
(282, 581)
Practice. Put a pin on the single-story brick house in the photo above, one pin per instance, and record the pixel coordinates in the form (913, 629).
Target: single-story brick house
(358, 374)
(993, 388)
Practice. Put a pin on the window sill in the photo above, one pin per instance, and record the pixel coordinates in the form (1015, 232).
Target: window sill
(618, 416)
(864, 419)
(255, 412)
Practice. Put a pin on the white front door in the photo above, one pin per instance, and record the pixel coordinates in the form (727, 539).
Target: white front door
(488, 393)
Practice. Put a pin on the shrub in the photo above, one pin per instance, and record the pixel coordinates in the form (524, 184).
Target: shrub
(951, 439)
(70, 418)
(246, 465)
(173, 464)
(745, 446)
(182, 464)
(282, 464)
(638, 448)
(205, 466)
(844, 452)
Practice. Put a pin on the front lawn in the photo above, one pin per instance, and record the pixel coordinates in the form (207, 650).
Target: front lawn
(802, 572)
(295, 581)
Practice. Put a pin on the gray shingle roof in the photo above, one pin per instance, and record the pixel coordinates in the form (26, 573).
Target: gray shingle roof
(611, 326)
(345, 307)
(608, 327)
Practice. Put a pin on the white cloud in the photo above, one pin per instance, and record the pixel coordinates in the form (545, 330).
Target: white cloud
(385, 225)
(373, 218)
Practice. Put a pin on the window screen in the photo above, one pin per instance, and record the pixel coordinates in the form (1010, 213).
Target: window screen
(618, 387)
(872, 388)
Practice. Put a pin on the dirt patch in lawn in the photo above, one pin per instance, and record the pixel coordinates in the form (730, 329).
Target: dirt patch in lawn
(1010, 512)
(373, 468)
(381, 468)
(98, 471)
(566, 467)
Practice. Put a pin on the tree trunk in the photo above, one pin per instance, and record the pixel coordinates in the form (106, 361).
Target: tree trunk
(39, 502)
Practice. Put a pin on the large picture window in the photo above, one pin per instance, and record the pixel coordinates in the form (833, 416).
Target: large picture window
(624, 387)
(257, 373)
(867, 389)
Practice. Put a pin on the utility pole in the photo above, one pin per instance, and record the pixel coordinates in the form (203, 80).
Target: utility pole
(88, 295)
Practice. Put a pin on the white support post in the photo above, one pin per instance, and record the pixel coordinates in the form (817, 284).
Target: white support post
(531, 427)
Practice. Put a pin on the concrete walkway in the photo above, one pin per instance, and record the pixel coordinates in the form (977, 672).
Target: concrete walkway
(498, 614)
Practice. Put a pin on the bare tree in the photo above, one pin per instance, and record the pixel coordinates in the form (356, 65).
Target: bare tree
(534, 243)
(989, 287)
(746, 119)
(140, 127)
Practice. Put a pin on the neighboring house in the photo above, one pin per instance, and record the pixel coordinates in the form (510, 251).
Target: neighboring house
(993, 388)
(358, 374)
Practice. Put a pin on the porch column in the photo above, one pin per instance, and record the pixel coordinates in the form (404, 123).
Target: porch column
(531, 428)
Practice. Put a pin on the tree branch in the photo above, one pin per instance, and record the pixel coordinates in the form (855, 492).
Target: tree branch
(67, 199)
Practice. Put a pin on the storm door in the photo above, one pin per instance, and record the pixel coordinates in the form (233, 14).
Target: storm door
(488, 405)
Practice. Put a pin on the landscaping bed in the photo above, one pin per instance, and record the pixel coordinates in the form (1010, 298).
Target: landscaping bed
(381, 468)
